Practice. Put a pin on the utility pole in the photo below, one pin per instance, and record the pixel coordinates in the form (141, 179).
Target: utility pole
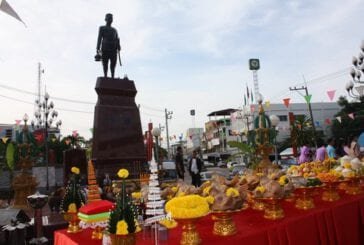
(310, 110)
(168, 115)
(40, 71)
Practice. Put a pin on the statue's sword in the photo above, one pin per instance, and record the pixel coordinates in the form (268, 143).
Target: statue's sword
(119, 57)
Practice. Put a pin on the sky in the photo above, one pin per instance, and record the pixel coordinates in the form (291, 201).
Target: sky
(182, 55)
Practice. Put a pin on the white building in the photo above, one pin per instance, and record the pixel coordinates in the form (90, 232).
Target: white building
(323, 115)
(218, 132)
(194, 139)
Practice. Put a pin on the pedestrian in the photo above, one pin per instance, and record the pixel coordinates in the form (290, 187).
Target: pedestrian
(354, 150)
(195, 167)
(305, 155)
(330, 149)
(321, 151)
(340, 151)
(179, 163)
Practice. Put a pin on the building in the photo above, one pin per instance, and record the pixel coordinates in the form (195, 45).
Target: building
(194, 139)
(10, 131)
(323, 115)
(218, 132)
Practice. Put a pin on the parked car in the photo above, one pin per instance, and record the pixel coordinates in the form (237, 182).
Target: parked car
(169, 172)
(238, 169)
(206, 175)
(231, 164)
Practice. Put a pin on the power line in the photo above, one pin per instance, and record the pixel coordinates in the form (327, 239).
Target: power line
(315, 80)
(71, 100)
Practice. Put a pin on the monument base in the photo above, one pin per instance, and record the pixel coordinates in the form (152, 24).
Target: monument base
(118, 139)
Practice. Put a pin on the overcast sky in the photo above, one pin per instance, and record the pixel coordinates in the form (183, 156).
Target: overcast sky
(182, 55)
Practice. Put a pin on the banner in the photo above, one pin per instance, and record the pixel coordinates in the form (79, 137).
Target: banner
(247, 91)
(286, 102)
(6, 8)
(244, 99)
(339, 119)
(328, 121)
(331, 94)
(308, 98)
(4, 139)
(351, 115)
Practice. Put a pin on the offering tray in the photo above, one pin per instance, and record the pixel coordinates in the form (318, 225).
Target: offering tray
(273, 209)
(304, 196)
(353, 185)
(223, 223)
(330, 193)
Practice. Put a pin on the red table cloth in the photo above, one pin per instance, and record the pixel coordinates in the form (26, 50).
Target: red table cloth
(340, 222)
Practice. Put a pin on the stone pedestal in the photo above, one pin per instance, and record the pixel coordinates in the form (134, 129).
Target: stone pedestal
(118, 139)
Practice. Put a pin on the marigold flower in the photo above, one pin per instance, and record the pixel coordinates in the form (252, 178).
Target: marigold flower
(72, 208)
(232, 192)
(136, 195)
(123, 173)
(283, 180)
(75, 170)
(206, 191)
(261, 189)
(122, 228)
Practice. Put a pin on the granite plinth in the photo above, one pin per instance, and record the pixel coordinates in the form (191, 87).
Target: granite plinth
(118, 139)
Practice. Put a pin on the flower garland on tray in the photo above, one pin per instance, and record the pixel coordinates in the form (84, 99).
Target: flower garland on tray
(189, 206)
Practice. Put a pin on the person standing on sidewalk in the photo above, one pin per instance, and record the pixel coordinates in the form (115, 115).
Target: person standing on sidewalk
(179, 163)
(195, 167)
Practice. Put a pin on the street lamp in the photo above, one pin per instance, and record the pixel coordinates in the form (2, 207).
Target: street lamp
(45, 115)
(156, 132)
(356, 72)
(275, 121)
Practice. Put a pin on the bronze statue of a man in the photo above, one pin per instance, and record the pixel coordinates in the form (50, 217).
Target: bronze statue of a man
(109, 41)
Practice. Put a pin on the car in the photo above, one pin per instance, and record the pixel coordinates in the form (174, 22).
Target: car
(222, 164)
(169, 172)
(231, 164)
(206, 175)
(238, 169)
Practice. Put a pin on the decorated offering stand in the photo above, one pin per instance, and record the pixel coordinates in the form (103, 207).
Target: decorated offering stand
(123, 223)
(72, 201)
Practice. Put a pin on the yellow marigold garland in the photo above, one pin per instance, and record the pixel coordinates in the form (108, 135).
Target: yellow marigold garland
(169, 224)
(190, 206)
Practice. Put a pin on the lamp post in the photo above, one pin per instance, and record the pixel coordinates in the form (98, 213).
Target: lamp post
(156, 133)
(356, 72)
(275, 121)
(45, 115)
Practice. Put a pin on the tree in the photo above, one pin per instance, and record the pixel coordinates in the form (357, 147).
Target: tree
(247, 151)
(348, 127)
